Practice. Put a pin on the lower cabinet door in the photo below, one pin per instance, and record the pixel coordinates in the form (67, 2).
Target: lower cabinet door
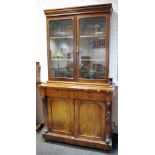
(90, 119)
(61, 115)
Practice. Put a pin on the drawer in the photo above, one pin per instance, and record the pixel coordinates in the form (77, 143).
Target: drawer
(60, 93)
(91, 96)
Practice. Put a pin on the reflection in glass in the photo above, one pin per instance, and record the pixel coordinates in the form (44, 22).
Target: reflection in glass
(92, 54)
(61, 47)
(61, 28)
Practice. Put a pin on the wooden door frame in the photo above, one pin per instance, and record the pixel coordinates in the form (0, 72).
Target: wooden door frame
(107, 16)
(48, 47)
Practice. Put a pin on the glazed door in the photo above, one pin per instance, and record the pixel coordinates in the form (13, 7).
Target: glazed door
(93, 48)
(61, 47)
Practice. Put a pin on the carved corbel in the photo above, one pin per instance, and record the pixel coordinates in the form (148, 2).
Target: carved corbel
(45, 111)
(108, 117)
(44, 104)
(107, 138)
(108, 103)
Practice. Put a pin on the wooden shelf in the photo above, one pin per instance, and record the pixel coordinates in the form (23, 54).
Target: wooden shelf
(92, 60)
(93, 36)
(62, 37)
(62, 59)
(92, 49)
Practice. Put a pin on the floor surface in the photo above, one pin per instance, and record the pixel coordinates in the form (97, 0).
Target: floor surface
(53, 148)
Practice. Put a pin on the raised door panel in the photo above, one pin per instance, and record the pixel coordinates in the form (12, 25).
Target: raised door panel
(90, 117)
(61, 115)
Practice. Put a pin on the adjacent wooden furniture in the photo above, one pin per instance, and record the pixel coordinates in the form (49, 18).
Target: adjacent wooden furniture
(77, 98)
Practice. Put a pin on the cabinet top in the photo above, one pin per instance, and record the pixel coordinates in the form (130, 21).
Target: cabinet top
(78, 86)
(102, 8)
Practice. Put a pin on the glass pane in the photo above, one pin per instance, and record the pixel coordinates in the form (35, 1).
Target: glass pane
(61, 48)
(92, 51)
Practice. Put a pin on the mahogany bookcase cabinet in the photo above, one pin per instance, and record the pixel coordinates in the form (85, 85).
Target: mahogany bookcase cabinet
(77, 98)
